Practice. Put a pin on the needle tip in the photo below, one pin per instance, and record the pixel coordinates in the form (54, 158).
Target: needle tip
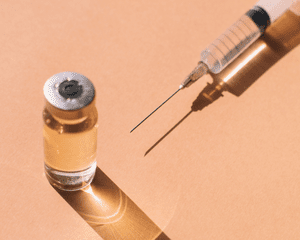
(156, 109)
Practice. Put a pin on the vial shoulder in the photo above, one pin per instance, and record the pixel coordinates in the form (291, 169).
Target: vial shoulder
(66, 126)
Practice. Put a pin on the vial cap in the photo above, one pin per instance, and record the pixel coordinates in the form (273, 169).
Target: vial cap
(69, 91)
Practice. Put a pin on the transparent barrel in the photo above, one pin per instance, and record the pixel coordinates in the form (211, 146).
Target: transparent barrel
(230, 44)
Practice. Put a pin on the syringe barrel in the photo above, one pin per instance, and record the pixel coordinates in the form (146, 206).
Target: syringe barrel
(230, 44)
(243, 33)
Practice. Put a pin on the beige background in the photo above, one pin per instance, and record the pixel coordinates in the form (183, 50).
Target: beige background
(230, 171)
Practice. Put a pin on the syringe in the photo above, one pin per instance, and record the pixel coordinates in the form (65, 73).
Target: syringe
(222, 51)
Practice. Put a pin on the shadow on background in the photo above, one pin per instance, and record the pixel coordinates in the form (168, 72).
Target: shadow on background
(110, 212)
(278, 40)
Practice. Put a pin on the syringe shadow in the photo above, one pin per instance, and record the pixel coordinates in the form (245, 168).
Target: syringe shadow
(110, 212)
(279, 39)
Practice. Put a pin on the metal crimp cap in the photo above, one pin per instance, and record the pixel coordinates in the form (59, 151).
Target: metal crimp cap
(69, 91)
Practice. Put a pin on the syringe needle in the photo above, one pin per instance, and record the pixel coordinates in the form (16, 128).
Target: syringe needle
(198, 72)
(156, 109)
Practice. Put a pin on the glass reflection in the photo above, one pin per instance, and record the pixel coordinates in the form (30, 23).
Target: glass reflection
(110, 212)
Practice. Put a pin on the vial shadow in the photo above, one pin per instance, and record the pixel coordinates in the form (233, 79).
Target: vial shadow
(110, 212)
(279, 39)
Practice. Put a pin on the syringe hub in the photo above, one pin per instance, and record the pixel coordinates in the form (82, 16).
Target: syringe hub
(197, 73)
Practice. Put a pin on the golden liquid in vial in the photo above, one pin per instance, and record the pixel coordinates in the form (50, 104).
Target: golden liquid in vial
(70, 148)
(70, 151)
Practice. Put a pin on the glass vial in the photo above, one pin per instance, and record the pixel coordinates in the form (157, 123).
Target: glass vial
(70, 131)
